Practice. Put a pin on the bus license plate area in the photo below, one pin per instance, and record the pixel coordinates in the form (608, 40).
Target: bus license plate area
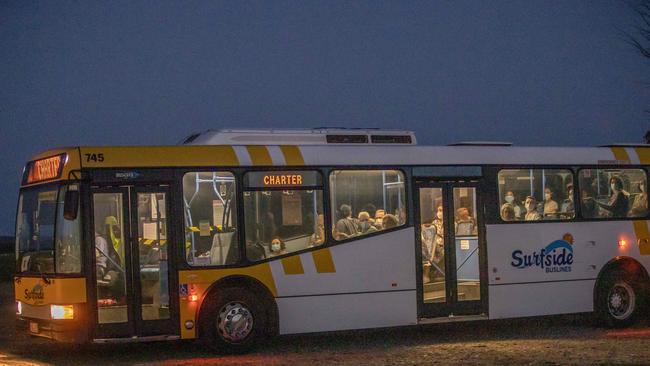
(33, 327)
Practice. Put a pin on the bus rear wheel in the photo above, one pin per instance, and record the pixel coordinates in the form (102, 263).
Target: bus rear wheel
(232, 321)
(619, 299)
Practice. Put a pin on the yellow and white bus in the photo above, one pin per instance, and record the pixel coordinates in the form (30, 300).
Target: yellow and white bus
(236, 235)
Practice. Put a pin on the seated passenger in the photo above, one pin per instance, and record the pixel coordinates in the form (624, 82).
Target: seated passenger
(365, 223)
(531, 209)
(277, 247)
(550, 206)
(618, 202)
(347, 226)
(507, 212)
(640, 203)
(465, 224)
(568, 207)
(318, 237)
(389, 221)
(379, 215)
(589, 207)
(512, 201)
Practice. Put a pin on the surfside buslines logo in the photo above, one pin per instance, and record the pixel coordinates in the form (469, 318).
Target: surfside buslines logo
(555, 257)
(36, 294)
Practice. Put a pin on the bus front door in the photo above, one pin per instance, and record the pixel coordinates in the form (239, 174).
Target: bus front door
(448, 229)
(132, 274)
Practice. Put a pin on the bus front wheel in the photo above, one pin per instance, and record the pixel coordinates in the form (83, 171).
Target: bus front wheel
(232, 320)
(618, 300)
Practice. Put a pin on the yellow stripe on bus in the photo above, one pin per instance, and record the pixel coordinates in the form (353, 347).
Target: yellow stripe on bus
(620, 154)
(644, 155)
(259, 155)
(292, 155)
(323, 261)
(292, 265)
(158, 156)
(642, 236)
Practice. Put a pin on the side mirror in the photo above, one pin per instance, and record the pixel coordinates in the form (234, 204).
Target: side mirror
(71, 205)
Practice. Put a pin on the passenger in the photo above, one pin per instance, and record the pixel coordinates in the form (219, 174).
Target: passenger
(438, 223)
(318, 237)
(365, 223)
(389, 221)
(379, 216)
(400, 213)
(347, 226)
(640, 204)
(531, 209)
(277, 247)
(465, 224)
(568, 208)
(618, 202)
(507, 212)
(550, 206)
(512, 201)
(589, 208)
(370, 209)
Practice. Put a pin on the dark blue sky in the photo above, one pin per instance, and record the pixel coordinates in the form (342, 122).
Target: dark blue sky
(535, 73)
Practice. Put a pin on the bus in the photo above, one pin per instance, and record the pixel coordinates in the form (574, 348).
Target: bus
(236, 235)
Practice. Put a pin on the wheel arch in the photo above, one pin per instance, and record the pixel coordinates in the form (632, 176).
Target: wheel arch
(627, 264)
(250, 284)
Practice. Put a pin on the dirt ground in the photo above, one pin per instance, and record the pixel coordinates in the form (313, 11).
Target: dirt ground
(565, 340)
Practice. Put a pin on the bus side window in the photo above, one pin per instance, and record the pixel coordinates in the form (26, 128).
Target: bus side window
(210, 207)
(366, 201)
(613, 193)
(536, 194)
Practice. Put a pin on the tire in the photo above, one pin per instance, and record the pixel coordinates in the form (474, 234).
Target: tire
(619, 299)
(233, 320)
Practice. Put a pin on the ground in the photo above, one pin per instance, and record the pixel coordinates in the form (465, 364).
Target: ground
(566, 340)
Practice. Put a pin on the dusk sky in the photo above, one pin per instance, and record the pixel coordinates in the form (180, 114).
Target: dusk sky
(113, 73)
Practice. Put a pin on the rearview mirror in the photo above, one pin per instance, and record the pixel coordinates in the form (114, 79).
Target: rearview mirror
(71, 205)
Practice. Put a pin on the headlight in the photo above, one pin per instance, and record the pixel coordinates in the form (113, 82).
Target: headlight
(19, 308)
(62, 311)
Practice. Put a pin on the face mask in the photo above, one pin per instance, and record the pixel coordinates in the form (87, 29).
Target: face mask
(530, 207)
(439, 215)
(571, 195)
(510, 199)
(641, 188)
(547, 196)
(275, 247)
(613, 186)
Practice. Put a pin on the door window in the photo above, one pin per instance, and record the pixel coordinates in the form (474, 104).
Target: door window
(433, 245)
(466, 244)
(152, 248)
(109, 257)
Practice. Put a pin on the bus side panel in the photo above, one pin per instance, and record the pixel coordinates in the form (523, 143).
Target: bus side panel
(522, 282)
(349, 311)
(368, 282)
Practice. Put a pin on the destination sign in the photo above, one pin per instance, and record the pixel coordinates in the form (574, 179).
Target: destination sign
(45, 169)
(282, 179)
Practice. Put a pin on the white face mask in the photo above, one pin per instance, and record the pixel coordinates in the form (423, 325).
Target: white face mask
(530, 206)
(439, 215)
(642, 188)
(510, 199)
(275, 247)
(613, 186)
(547, 196)
(570, 196)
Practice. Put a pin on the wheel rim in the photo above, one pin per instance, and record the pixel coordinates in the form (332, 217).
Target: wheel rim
(621, 301)
(235, 322)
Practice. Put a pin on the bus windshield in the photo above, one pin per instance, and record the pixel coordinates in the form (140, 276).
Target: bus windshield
(41, 231)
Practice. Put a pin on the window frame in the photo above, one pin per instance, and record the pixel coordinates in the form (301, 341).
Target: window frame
(493, 207)
(605, 167)
(242, 240)
(182, 263)
(407, 196)
(501, 168)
